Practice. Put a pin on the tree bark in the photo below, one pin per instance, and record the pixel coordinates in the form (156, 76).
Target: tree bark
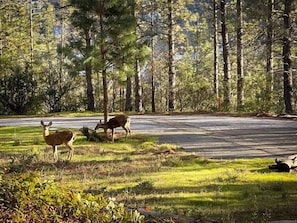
(138, 93)
(240, 75)
(287, 38)
(105, 95)
(153, 68)
(128, 104)
(137, 80)
(269, 49)
(103, 52)
(171, 65)
(88, 69)
(31, 35)
(153, 71)
(227, 76)
(215, 53)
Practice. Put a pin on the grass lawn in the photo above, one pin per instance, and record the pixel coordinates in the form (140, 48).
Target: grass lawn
(142, 174)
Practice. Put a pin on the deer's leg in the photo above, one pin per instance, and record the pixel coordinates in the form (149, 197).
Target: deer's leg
(70, 152)
(128, 126)
(55, 152)
(126, 130)
(112, 136)
(129, 129)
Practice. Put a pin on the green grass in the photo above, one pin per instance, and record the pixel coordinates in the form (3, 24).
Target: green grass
(140, 173)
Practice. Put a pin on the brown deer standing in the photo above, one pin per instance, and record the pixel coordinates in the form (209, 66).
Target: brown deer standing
(117, 121)
(58, 138)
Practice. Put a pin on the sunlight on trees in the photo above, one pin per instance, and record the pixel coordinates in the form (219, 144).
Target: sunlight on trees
(150, 56)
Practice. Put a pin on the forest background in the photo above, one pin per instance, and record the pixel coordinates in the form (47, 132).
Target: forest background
(147, 56)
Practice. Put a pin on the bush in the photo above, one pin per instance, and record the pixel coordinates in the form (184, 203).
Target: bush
(18, 92)
(24, 198)
(91, 135)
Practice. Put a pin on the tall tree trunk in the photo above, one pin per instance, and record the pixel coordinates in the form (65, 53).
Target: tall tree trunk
(138, 92)
(88, 69)
(129, 101)
(269, 50)
(215, 53)
(287, 38)
(153, 71)
(240, 75)
(105, 95)
(103, 51)
(227, 76)
(61, 57)
(171, 65)
(128, 104)
(97, 92)
(114, 96)
(31, 34)
(153, 68)
(137, 80)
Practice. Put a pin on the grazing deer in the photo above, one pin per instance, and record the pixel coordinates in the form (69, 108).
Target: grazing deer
(58, 138)
(117, 121)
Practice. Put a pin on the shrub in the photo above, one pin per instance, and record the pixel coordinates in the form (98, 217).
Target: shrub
(91, 135)
(18, 92)
(25, 198)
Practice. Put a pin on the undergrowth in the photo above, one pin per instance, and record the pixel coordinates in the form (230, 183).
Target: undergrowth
(27, 198)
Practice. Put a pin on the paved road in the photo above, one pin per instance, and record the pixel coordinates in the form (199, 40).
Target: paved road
(206, 135)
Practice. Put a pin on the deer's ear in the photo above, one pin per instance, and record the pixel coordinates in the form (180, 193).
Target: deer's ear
(49, 124)
(41, 122)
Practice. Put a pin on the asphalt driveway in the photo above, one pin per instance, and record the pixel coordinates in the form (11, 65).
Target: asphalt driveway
(230, 137)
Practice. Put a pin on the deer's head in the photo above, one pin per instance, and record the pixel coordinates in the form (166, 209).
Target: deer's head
(101, 125)
(46, 127)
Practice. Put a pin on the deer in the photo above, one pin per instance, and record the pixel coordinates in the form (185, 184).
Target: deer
(117, 121)
(58, 138)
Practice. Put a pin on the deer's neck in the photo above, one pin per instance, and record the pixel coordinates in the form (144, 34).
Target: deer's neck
(45, 133)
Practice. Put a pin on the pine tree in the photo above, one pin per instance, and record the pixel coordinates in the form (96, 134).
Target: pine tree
(269, 50)
(240, 75)
(225, 45)
(83, 20)
(287, 39)
(171, 53)
(215, 47)
(115, 40)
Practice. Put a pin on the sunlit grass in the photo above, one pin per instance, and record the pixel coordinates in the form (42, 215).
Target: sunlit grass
(141, 173)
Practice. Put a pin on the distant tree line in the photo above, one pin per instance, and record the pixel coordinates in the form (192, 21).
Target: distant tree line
(147, 56)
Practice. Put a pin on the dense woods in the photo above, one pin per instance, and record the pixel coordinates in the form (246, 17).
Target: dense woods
(147, 56)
